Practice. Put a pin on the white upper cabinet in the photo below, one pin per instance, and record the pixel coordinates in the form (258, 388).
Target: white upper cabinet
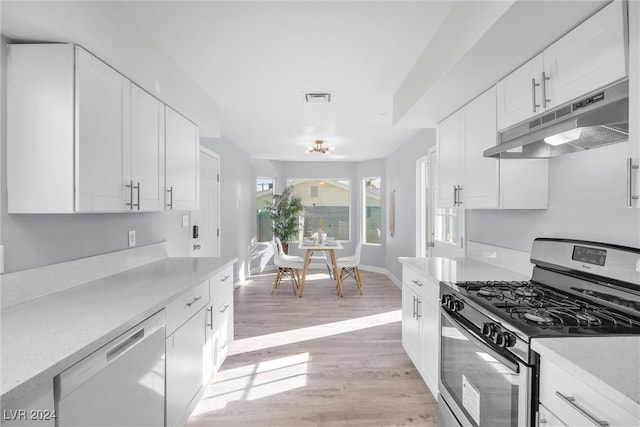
(480, 173)
(182, 162)
(591, 56)
(82, 138)
(465, 177)
(449, 154)
(144, 173)
(103, 120)
(40, 158)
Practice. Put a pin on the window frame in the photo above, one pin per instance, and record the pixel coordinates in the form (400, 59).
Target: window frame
(273, 189)
(363, 228)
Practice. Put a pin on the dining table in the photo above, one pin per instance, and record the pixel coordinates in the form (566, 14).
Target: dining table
(327, 246)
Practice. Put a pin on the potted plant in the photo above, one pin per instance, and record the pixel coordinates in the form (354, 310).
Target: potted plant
(285, 211)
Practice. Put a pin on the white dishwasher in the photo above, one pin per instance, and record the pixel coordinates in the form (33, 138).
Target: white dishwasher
(121, 384)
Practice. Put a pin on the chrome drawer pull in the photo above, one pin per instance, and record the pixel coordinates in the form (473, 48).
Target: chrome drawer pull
(417, 282)
(210, 310)
(223, 309)
(571, 401)
(189, 304)
(533, 94)
(225, 278)
(630, 168)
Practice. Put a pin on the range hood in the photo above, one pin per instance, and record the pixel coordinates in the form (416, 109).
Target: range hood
(594, 120)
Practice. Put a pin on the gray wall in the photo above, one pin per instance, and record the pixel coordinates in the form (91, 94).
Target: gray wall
(237, 198)
(401, 177)
(36, 240)
(586, 201)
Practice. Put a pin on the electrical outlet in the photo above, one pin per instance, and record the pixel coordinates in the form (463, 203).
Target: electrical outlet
(132, 238)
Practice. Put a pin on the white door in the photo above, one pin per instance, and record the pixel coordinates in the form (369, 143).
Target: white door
(446, 225)
(205, 223)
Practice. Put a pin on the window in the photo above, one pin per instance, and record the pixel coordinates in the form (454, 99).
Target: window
(264, 194)
(371, 212)
(327, 205)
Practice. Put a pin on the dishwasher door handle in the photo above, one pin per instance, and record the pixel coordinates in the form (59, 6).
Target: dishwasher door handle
(125, 345)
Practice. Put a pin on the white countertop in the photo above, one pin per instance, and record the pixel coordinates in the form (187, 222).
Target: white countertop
(610, 365)
(459, 269)
(45, 336)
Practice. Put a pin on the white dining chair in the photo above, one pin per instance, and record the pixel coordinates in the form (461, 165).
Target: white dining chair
(288, 265)
(348, 266)
(323, 254)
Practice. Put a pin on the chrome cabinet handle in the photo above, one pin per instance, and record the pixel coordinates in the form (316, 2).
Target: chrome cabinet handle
(417, 282)
(459, 195)
(137, 187)
(455, 195)
(544, 89)
(170, 191)
(414, 307)
(533, 93)
(223, 309)
(210, 324)
(418, 302)
(189, 304)
(130, 187)
(630, 196)
(571, 401)
(225, 278)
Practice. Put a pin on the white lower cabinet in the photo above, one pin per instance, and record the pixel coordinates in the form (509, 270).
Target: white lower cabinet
(33, 409)
(572, 402)
(185, 362)
(421, 324)
(220, 333)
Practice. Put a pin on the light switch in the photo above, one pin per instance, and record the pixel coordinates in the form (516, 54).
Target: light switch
(185, 220)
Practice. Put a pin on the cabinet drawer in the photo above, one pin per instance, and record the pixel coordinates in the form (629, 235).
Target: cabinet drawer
(555, 383)
(426, 287)
(222, 288)
(185, 306)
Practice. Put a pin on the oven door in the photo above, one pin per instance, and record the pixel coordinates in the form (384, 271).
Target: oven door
(481, 385)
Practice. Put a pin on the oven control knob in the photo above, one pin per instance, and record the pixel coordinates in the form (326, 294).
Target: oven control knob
(444, 300)
(505, 339)
(455, 305)
(488, 329)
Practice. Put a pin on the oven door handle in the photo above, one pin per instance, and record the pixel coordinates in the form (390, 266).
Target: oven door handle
(473, 337)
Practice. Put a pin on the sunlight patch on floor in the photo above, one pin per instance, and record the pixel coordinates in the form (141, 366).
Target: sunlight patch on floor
(255, 381)
(313, 332)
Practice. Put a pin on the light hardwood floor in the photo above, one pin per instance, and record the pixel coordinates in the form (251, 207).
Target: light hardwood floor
(320, 360)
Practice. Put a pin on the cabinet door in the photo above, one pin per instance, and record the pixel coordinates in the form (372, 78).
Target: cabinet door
(40, 128)
(145, 170)
(182, 162)
(449, 160)
(480, 188)
(591, 56)
(185, 362)
(634, 105)
(430, 342)
(411, 324)
(102, 122)
(519, 94)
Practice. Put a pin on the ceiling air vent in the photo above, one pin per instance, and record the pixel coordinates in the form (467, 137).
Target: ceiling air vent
(317, 97)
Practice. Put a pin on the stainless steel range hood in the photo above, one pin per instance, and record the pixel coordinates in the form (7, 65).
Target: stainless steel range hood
(595, 120)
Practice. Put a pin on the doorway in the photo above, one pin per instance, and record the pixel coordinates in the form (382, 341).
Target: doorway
(205, 222)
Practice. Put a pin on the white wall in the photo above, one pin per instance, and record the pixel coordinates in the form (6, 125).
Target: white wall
(401, 177)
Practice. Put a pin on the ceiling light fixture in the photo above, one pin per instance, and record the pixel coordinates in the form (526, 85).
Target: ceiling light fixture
(319, 148)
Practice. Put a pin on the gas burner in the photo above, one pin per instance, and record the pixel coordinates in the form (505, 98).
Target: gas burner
(527, 292)
(490, 292)
(587, 318)
(539, 317)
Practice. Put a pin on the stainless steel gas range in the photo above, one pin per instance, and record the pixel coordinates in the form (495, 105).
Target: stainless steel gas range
(488, 372)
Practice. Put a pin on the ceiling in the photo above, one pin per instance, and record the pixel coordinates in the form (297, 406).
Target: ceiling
(255, 61)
